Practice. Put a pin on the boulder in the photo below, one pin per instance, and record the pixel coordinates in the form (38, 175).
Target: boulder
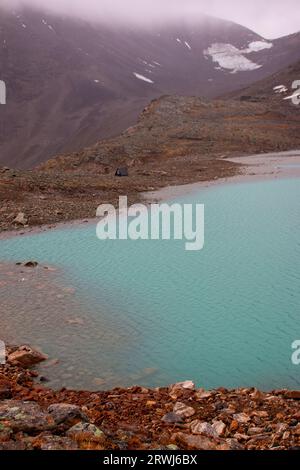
(24, 416)
(172, 418)
(66, 414)
(187, 385)
(198, 427)
(25, 356)
(86, 432)
(21, 219)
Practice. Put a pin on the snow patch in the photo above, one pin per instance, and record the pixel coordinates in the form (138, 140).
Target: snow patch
(231, 58)
(257, 46)
(48, 25)
(142, 77)
(280, 89)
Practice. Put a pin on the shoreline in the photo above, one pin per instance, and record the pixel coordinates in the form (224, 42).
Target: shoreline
(178, 417)
(253, 168)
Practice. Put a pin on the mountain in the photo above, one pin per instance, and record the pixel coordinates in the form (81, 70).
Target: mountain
(276, 90)
(71, 83)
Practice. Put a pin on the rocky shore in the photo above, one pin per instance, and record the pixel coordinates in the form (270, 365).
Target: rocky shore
(33, 417)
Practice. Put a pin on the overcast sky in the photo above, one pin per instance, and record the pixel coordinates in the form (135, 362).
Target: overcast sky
(270, 18)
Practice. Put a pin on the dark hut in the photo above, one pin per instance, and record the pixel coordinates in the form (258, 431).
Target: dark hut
(122, 171)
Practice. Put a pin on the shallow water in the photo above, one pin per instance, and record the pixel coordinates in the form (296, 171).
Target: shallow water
(149, 312)
(290, 166)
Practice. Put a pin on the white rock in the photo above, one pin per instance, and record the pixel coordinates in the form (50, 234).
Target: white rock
(20, 219)
(187, 385)
(241, 418)
(183, 410)
(219, 427)
(198, 427)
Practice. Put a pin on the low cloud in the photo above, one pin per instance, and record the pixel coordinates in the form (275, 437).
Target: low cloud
(271, 19)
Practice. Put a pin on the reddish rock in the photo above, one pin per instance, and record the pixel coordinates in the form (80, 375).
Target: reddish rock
(5, 390)
(293, 394)
(12, 445)
(25, 357)
(50, 442)
(199, 442)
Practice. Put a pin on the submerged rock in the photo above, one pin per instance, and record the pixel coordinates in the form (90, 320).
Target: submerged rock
(25, 357)
(31, 264)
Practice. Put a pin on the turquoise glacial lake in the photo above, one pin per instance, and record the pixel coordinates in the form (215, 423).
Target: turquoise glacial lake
(118, 313)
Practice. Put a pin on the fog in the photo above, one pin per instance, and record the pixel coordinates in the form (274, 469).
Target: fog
(271, 19)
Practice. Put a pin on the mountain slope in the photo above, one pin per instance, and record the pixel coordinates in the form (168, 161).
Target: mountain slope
(276, 90)
(71, 83)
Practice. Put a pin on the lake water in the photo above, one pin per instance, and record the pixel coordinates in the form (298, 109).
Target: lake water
(149, 312)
